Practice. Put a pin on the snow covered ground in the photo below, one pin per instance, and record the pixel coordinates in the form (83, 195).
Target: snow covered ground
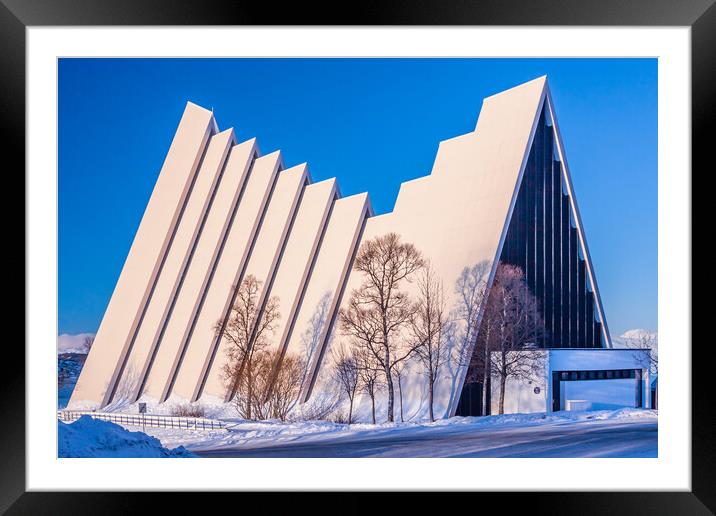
(608, 433)
(88, 437)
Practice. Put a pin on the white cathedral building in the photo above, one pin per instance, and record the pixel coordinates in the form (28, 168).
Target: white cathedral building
(221, 211)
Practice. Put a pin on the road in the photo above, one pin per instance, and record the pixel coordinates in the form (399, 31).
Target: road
(601, 438)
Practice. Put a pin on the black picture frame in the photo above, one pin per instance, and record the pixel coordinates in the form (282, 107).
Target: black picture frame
(700, 15)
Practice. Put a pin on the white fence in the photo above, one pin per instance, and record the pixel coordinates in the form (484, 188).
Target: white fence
(157, 421)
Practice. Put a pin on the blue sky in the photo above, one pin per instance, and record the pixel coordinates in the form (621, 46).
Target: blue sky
(372, 123)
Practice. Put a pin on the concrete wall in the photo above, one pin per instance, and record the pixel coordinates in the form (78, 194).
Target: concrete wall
(174, 268)
(520, 395)
(227, 274)
(457, 217)
(604, 394)
(264, 255)
(245, 216)
(142, 266)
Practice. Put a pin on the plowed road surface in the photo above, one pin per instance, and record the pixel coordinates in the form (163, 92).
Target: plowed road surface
(599, 438)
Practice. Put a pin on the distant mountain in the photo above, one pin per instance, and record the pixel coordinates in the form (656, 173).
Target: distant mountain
(71, 354)
(638, 334)
(636, 338)
(641, 339)
(76, 343)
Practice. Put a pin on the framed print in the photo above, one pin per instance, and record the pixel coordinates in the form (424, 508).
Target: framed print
(418, 249)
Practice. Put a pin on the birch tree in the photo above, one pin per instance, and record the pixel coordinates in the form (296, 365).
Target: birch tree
(370, 377)
(516, 326)
(247, 333)
(346, 373)
(378, 311)
(474, 352)
(428, 329)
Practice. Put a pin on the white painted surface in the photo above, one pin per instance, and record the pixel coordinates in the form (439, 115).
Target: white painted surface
(457, 217)
(594, 359)
(577, 405)
(261, 263)
(175, 264)
(298, 255)
(143, 262)
(520, 395)
(458, 214)
(217, 224)
(602, 394)
(320, 299)
(227, 272)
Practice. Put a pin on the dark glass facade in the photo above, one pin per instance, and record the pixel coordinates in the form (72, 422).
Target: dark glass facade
(543, 241)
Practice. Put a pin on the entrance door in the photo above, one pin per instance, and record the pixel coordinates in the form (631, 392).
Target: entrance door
(470, 403)
(606, 389)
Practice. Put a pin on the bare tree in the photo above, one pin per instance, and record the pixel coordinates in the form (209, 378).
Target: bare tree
(370, 376)
(378, 310)
(398, 372)
(486, 341)
(474, 352)
(286, 384)
(87, 344)
(247, 334)
(428, 330)
(275, 385)
(471, 288)
(516, 326)
(319, 407)
(346, 373)
(643, 339)
(311, 336)
(64, 375)
(250, 399)
(188, 410)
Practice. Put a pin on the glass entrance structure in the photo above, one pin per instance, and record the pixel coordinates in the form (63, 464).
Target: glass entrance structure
(543, 239)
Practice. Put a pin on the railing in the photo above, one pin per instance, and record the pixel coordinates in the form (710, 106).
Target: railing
(152, 420)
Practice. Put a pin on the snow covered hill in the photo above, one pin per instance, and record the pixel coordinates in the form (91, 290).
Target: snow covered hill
(630, 337)
(71, 355)
(88, 437)
(77, 343)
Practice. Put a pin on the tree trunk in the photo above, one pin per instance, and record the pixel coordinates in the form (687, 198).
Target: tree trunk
(430, 392)
(503, 381)
(391, 394)
(485, 375)
(400, 394)
(350, 412)
(372, 401)
(486, 372)
(249, 395)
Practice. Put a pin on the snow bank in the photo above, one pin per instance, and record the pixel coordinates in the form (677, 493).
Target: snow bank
(562, 416)
(256, 434)
(88, 437)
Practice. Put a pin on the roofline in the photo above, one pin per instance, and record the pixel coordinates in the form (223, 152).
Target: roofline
(577, 217)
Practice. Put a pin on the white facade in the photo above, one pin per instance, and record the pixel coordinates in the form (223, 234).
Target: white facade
(603, 389)
(221, 211)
